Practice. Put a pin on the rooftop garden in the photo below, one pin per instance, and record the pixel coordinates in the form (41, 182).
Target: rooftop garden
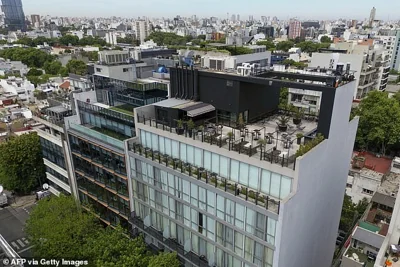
(126, 109)
(111, 133)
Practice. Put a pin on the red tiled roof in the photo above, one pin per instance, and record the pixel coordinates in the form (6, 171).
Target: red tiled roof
(384, 229)
(65, 85)
(381, 165)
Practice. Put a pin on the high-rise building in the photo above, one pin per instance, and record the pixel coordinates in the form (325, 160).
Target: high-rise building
(142, 30)
(14, 14)
(202, 185)
(372, 16)
(233, 18)
(35, 19)
(395, 62)
(294, 29)
(238, 17)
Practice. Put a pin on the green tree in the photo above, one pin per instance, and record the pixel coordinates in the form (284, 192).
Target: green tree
(77, 67)
(165, 260)
(91, 55)
(379, 125)
(201, 36)
(52, 67)
(57, 228)
(168, 38)
(284, 46)
(110, 247)
(34, 72)
(326, 39)
(240, 50)
(269, 45)
(32, 57)
(21, 163)
(69, 40)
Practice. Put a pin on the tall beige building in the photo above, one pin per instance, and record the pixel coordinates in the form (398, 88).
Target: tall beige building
(142, 30)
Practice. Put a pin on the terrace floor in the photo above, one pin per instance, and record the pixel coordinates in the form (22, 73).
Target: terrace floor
(126, 109)
(357, 255)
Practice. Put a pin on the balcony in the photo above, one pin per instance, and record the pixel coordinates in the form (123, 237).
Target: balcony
(354, 257)
(101, 136)
(261, 140)
(208, 177)
(170, 243)
(366, 84)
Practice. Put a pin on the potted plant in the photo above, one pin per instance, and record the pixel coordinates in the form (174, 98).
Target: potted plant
(190, 125)
(179, 127)
(200, 129)
(230, 135)
(282, 123)
(240, 122)
(299, 136)
(262, 142)
(297, 115)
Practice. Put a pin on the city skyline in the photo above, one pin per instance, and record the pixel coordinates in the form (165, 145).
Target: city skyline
(386, 9)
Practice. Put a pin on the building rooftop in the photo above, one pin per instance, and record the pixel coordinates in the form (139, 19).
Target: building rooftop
(358, 256)
(374, 162)
(384, 199)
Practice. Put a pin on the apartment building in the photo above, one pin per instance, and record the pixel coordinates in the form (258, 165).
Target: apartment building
(142, 30)
(219, 198)
(102, 120)
(395, 62)
(371, 65)
(294, 29)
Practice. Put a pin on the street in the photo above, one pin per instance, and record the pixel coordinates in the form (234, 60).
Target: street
(11, 228)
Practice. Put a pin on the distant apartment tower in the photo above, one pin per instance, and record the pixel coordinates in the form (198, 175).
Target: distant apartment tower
(395, 63)
(142, 30)
(294, 29)
(372, 16)
(35, 20)
(14, 17)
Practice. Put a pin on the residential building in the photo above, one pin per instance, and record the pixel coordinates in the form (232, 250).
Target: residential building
(294, 29)
(11, 68)
(142, 30)
(55, 148)
(367, 173)
(370, 65)
(35, 19)
(102, 120)
(220, 201)
(19, 87)
(395, 62)
(372, 17)
(269, 31)
(14, 17)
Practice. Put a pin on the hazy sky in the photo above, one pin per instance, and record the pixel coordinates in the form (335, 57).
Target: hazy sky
(303, 9)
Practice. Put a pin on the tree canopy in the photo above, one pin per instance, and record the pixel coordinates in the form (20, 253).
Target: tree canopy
(32, 57)
(21, 163)
(77, 67)
(379, 125)
(58, 228)
(326, 39)
(284, 46)
(351, 212)
(269, 45)
(168, 38)
(52, 67)
(309, 47)
(293, 63)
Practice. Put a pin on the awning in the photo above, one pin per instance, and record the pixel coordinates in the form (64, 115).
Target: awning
(200, 109)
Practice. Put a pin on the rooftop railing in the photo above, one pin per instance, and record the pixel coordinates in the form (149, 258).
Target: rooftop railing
(201, 174)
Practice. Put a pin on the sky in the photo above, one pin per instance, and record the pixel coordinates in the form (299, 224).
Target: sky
(283, 9)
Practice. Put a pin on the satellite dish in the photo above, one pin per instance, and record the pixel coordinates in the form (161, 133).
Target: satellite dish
(45, 186)
(1, 189)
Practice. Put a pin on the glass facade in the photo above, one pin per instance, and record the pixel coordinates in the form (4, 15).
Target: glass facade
(267, 182)
(101, 177)
(14, 14)
(205, 223)
(57, 175)
(52, 152)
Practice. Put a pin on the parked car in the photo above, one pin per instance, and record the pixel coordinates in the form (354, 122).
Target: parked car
(3, 200)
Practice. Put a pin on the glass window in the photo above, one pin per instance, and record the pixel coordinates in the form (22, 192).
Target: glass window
(230, 211)
(235, 170)
(265, 181)
(250, 221)
(168, 146)
(190, 154)
(162, 144)
(211, 202)
(268, 256)
(186, 190)
(202, 198)
(221, 207)
(258, 254)
(186, 215)
(248, 249)
(154, 141)
(285, 186)
(207, 160)
(195, 243)
(275, 185)
(239, 244)
(198, 157)
(244, 174)
(215, 163)
(271, 227)
(175, 149)
(240, 213)
(210, 228)
(253, 177)
(148, 140)
(194, 195)
(143, 137)
(183, 152)
(223, 167)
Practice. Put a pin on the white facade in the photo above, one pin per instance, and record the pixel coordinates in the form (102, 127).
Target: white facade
(362, 184)
(18, 86)
(231, 62)
(305, 99)
(142, 30)
(124, 72)
(395, 61)
(111, 38)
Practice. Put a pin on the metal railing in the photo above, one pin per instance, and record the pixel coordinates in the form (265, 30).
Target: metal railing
(208, 177)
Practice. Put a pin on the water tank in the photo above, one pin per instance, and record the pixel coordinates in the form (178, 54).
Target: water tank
(162, 69)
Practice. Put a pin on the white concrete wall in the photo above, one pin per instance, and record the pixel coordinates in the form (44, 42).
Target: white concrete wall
(322, 60)
(309, 220)
(117, 72)
(361, 181)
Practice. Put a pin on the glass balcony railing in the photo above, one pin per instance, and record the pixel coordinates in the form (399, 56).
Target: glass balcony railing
(97, 135)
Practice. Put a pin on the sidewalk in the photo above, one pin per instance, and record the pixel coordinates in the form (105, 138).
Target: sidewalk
(20, 201)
